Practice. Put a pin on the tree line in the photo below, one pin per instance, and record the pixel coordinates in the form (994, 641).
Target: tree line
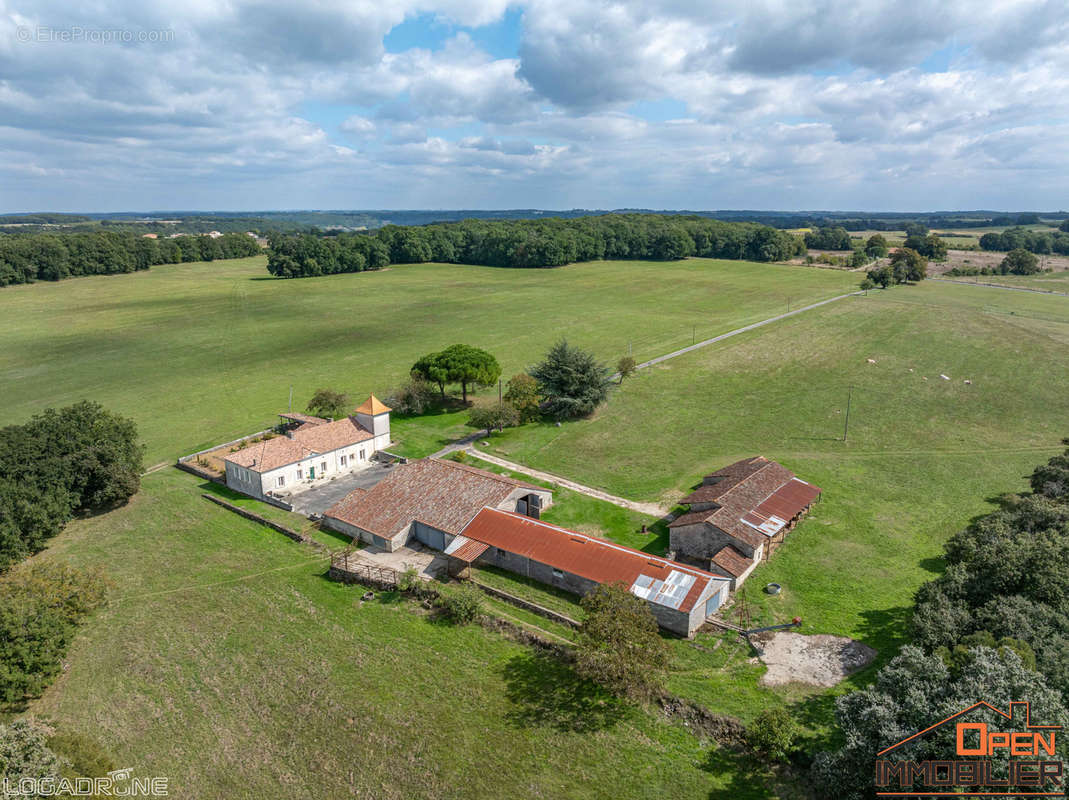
(994, 626)
(1039, 242)
(530, 243)
(76, 459)
(26, 258)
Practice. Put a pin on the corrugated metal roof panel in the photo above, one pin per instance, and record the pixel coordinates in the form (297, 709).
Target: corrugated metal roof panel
(465, 549)
(656, 579)
(781, 506)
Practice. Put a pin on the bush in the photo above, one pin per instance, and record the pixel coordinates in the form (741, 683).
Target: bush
(773, 733)
(329, 404)
(40, 607)
(867, 284)
(498, 415)
(461, 456)
(24, 753)
(463, 604)
(626, 367)
(408, 580)
(414, 396)
(521, 392)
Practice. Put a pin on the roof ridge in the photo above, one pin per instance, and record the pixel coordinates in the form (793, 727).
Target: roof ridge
(605, 542)
(480, 471)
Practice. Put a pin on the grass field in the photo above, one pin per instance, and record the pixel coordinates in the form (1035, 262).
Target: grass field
(922, 457)
(227, 662)
(203, 353)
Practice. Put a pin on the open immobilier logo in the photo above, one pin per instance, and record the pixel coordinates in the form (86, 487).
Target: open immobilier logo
(991, 761)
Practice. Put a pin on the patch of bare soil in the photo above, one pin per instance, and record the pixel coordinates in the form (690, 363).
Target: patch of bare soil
(820, 660)
(979, 259)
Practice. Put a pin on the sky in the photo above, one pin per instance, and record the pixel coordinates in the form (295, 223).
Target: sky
(874, 105)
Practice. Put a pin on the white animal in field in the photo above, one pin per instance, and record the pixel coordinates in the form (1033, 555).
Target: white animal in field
(872, 360)
(969, 383)
(944, 377)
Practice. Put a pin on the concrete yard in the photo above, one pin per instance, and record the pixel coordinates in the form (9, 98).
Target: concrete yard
(318, 499)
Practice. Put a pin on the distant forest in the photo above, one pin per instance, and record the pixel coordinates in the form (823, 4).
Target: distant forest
(29, 257)
(531, 243)
(312, 221)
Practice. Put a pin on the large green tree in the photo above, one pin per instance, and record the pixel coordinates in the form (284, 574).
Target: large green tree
(1019, 262)
(521, 392)
(915, 691)
(469, 366)
(572, 381)
(618, 645)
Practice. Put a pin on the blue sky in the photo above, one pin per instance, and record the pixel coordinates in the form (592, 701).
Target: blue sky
(260, 104)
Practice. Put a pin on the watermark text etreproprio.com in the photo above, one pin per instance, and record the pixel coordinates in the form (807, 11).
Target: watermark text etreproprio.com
(76, 34)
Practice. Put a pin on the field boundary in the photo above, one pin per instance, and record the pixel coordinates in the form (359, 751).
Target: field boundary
(254, 517)
(527, 605)
(1001, 286)
(737, 331)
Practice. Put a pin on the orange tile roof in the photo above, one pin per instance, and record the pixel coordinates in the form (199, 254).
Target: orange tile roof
(586, 556)
(304, 442)
(373, 406)
(442, 494)
(732, 561)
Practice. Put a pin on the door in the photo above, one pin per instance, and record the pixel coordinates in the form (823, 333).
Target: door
(311, 473)
(713, 603)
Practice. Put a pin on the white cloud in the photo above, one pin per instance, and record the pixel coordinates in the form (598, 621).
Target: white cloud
(263, 103)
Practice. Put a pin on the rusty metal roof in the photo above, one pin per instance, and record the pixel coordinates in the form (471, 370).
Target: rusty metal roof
(781, 506)
(465, 549)
(732, 561)
(657, 579)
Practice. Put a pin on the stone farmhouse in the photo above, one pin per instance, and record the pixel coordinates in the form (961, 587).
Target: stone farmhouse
(430, 501)
(739, 515)
(681, 597)
(313, 451)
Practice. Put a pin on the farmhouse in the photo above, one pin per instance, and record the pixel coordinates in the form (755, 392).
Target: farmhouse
(430, 501)
(312, 451)
(680, 597)
(739, 515)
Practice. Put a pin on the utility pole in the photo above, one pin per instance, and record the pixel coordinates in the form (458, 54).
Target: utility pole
(846, 423)
(693, 334)
(499, 390)
(788, 304)
(291, 399)
(629, 347)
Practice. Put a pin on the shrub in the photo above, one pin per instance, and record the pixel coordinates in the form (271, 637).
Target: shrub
(408, 580)
(463, 603)
(773, 733)
(24, 752)
(521, 392)
(626, 367)
(414, 396)
(329, 403)
(497, 415)
(83, 756)
(40, 607)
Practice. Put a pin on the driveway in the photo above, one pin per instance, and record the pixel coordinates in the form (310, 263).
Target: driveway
(319, 498)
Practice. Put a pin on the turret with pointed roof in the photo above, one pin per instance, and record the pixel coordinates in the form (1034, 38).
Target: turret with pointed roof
(374, 415)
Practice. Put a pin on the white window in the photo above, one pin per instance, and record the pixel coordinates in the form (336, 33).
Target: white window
(281, 480)
(362, 456)
(558, 574)
(323, 467)
(300, 474)
(343, 460)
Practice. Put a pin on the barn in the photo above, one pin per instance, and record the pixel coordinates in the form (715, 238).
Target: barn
(430, 501)
(681, 597)
(739, 515)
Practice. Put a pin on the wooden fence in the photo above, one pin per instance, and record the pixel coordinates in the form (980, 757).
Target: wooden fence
(347, 568)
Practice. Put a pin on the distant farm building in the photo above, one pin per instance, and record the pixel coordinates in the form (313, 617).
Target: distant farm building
(311, 452)
(430, 501)
(739, 515)
(681, 597)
